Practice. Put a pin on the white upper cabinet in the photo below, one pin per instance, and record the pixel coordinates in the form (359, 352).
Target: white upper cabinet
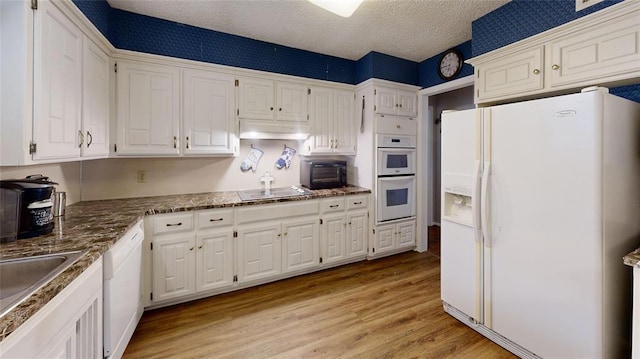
(57, 85)
(613, 49)
(261, 99)
(331, 115)
(148, 109)
(598, 49)
(511, 75)
(391, 101)
(95, 101)
(208, 105)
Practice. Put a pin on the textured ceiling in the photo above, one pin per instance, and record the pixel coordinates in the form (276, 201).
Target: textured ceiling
(410, 29)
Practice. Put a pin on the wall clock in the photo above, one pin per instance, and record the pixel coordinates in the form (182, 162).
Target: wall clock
(450, 64)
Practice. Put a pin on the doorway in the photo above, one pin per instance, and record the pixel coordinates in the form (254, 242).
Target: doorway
(453, 95)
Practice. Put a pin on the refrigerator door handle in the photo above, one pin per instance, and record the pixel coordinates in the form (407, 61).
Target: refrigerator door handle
(484, 204)
(475, 206)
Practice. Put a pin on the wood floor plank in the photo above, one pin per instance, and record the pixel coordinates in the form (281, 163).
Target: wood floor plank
(385, 308)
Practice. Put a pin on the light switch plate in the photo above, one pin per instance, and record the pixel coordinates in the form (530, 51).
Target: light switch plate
(583, 4)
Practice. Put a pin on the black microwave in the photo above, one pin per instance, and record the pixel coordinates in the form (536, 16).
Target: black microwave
(323, 174)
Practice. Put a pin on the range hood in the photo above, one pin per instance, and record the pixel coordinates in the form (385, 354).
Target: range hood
(265, 129)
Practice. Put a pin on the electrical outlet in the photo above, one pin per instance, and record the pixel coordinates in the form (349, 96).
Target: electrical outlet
(142, 176)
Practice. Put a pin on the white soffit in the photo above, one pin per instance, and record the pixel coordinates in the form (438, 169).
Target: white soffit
(410, 29)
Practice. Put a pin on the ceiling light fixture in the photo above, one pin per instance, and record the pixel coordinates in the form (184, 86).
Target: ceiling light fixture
(344, 8)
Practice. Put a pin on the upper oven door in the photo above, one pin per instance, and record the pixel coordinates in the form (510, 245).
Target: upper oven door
(396, 198)
(396, 161)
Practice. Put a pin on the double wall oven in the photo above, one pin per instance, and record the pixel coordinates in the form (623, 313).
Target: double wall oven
(396, 179)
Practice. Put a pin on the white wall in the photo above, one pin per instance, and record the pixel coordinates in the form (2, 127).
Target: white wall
(117, 177)
(66, 174)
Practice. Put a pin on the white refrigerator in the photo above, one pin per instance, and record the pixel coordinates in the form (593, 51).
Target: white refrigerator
(540, 202)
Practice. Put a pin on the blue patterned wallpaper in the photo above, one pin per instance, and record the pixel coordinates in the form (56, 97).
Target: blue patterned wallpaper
(520, 19)
(512, 22)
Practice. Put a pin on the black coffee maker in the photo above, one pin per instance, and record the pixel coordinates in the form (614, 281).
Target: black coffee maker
(31, 200)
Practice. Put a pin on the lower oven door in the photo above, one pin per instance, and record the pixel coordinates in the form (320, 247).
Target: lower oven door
(396, 198)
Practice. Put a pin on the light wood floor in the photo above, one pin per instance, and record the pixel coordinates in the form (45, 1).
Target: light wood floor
(386, 308)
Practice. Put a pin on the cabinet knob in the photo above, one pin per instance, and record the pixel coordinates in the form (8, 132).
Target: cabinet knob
(285, 233)
(191, 248)
(279, 234)
(279, 108)
(271, 108)
(555, 67)
(397, 126)
(200, 247)
(536, 71)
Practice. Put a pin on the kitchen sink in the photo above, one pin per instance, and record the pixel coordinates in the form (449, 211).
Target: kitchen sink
(21, 277)
(278, 192)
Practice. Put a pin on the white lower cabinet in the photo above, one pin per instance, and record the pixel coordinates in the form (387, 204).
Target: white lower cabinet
(259, 252)
(268, 246)
(345, 223)
(393, 237)
(191, 252)
(194, 254)
(69, 326)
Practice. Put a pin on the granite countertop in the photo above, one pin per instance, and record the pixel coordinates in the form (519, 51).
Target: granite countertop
(633, 259)
(94, 226)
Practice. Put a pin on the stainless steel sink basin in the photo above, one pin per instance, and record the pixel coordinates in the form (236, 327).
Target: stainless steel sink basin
(278, 192)
(21, 277)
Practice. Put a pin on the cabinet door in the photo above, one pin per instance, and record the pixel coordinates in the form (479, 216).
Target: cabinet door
(406, 234)
(386, 100)
(173, 267)
(95, 101)
(292, 102)
(300, 244)
(384, 239)
(58, 84)
(344, 124)
(63, 346)
(147, 111)
(511, 75)
(259, 252)
(357, 222)
(321, 116)
(334, 237)
(208, 105)
(407, 103)
(255, 99)
(609, 50)
(214, 260)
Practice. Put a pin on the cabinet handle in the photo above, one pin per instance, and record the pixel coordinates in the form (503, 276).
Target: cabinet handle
(334, 206)
(187, 142)
(555, 67)
(397, 105)
(174, 224)
(400, 105)
(271, 108)
(279, 108)
(536, 71)
(89, 139)
(357, 202)
(175, 141)
(216, 219)
(200, 247)
(350, 223)
(191, 248)
(279, 234)
(80, 138)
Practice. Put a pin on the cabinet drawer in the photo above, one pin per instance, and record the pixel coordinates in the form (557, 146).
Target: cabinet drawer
(215, 218)
(356, 202)
(171, 223)
(394, 125)
(279, 211)
(332, 205)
